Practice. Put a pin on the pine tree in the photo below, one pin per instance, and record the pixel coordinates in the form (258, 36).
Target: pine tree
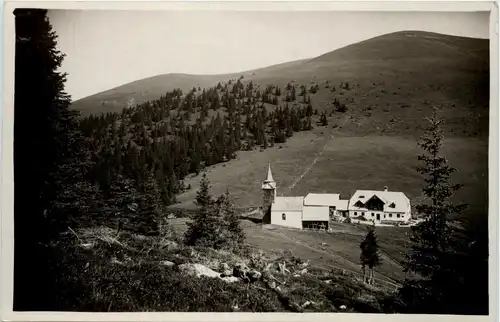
(46, 137)
(234, 232)
(369, 255)
(432, 252)
(203, 198)
(324, 120)
(207, 227)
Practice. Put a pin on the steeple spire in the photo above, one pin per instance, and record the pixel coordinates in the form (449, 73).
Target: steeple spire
(269, 183)
(269, 174)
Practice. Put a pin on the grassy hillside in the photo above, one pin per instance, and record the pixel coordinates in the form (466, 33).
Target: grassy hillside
(393, 79)
(324, 162)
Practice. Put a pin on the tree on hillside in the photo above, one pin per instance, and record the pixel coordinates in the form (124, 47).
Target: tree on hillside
(369, 255)
(436, 247)
(323, 120)
(45, 139)
(207, 227)
(235, 235)
(203, 198)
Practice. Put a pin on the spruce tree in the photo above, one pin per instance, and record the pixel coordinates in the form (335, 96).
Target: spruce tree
(207, 226)
(432, 251)
(234, 232)
(203, 198)
(45, 139)
(369, 255)
(324, 120)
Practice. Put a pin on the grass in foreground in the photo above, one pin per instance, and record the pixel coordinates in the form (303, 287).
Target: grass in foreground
(103, 270)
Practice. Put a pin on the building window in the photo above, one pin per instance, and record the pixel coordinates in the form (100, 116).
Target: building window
(398, 215)
(283, 216)
(355, 214)
(384, 215)
(373, 215)
(390, 215)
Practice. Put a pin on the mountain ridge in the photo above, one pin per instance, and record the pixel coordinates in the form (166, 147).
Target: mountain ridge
(394, 79)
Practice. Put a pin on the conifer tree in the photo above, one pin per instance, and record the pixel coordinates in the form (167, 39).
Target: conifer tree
(369, 255)
(203, 198)
(324, 120)
(234, 232)
(432, 251)
(45, 140)
(209, 226)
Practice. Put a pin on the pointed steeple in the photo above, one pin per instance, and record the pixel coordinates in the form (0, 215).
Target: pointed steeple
(269, 183)
(269, 174)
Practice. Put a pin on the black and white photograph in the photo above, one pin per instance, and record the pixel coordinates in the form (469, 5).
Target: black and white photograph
(291, 161)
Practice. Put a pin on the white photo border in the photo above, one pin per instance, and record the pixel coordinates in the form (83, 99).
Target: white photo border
(6, 152)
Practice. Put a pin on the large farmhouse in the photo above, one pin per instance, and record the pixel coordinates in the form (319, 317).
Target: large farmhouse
(318, 210)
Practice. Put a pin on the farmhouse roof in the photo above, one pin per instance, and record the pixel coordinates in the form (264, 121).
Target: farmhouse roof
(399, 199)
(288, 204)
(321, 199)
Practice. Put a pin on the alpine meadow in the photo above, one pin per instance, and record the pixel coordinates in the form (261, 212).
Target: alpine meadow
(355, 180)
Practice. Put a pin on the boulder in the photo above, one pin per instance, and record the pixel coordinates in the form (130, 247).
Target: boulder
(230, 279)
(167, 263)
(201, 270)
(198, 270)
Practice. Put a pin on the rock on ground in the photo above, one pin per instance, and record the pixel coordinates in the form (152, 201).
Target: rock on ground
(201, 270)
(167, 263)
(230, 279)
(198, 270)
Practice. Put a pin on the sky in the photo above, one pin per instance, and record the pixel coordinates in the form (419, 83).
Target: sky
(106, 49)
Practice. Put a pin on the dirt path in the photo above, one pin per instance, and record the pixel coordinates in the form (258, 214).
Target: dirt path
(328, 139)
(310, 166)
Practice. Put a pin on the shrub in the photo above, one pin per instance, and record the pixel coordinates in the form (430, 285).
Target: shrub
(342, 108)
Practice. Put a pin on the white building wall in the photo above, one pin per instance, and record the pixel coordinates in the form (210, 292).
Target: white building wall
(292, 218)
(393, 216)
(357, 213)
(316, 213)
(384, 216)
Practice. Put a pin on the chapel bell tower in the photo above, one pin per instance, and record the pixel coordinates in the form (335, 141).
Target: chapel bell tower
(269, 192)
